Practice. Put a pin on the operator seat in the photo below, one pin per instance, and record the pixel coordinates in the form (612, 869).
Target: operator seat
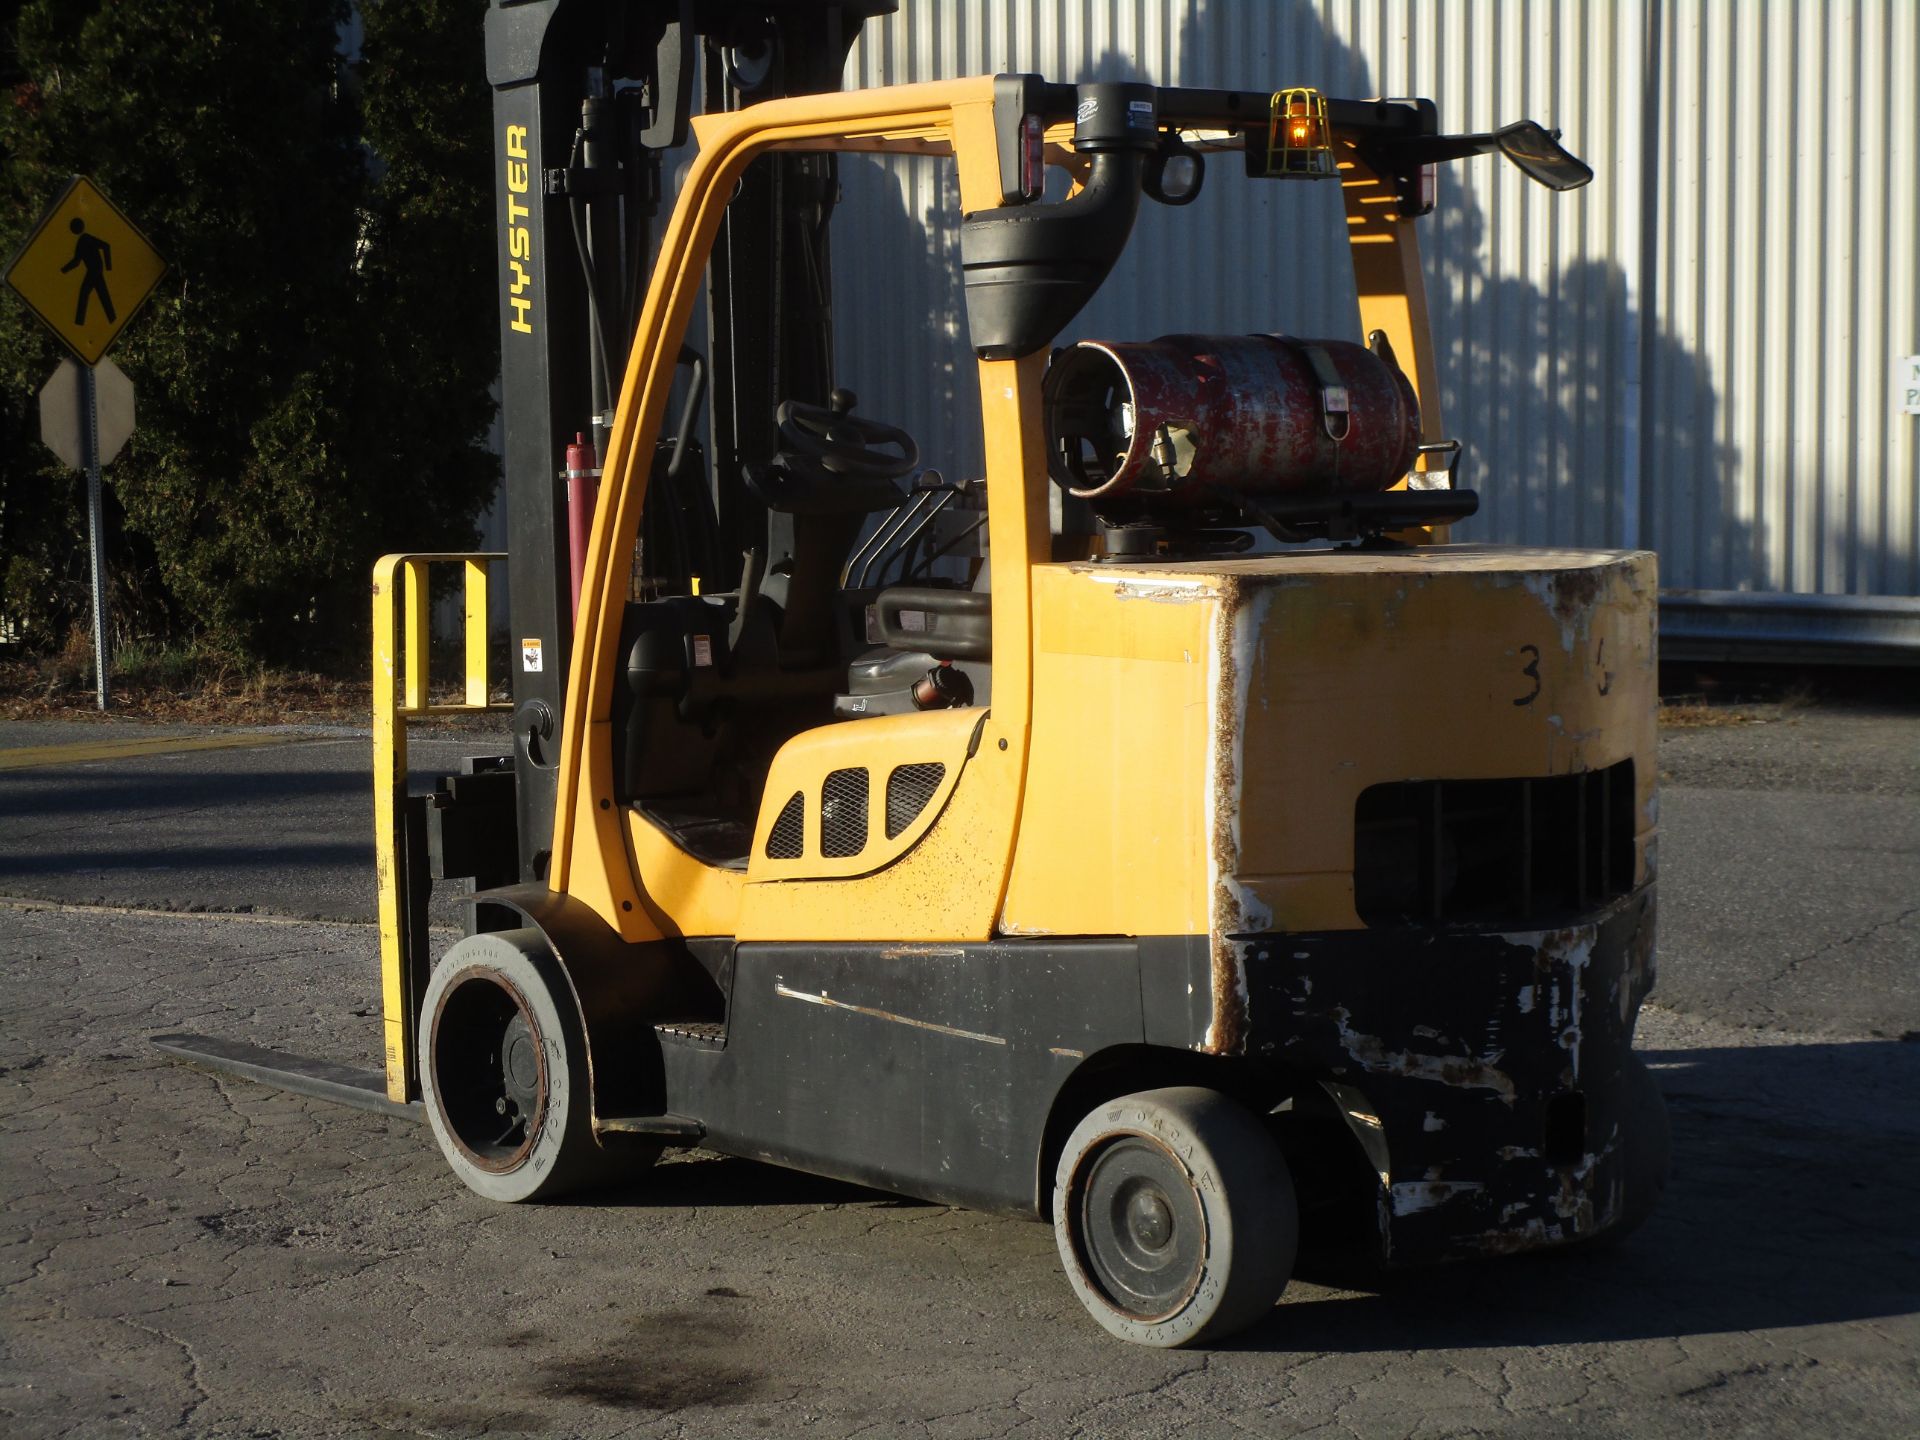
(935, 651)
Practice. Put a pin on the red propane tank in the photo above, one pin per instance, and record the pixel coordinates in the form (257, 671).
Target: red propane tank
(1190, 421)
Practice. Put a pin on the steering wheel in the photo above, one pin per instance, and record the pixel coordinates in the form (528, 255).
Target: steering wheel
(842, 444)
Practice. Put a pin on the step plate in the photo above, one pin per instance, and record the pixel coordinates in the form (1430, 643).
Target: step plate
(706, 1032)
(674, 1129)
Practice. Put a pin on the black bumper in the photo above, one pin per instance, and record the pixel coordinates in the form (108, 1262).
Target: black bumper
(1485, 1075)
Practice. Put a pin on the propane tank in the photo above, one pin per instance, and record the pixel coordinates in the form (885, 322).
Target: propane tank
(1192, 421)
(583, 493)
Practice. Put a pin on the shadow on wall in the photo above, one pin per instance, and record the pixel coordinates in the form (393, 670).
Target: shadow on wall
(1535, 362)
(900, 328)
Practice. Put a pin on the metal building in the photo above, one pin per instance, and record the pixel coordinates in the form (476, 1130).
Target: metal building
(1698, 353)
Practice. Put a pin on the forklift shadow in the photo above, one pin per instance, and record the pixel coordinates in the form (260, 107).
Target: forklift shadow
(702, 1178)
(111, 790)
(1790, 1204)
(200, 859)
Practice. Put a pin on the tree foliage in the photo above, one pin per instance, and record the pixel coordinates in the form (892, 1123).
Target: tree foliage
(313, 372)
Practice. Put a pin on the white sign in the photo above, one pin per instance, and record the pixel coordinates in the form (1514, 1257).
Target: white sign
(63, 412)
(530, 656)
(1906, 383)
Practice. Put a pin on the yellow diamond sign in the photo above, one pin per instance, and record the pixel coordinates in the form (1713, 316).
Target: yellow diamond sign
(85, 270)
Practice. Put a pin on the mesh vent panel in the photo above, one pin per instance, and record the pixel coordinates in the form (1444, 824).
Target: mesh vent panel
(843, 814)
(909, 788)
(786, 840)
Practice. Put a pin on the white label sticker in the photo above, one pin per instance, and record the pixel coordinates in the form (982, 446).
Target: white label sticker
(530, 656)
(1906, 383)
(703, 650)
(913, 620)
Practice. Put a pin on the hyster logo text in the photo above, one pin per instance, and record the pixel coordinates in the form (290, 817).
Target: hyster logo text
(519, 237)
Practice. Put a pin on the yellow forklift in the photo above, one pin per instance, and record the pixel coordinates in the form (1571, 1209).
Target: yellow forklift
(1233, 851)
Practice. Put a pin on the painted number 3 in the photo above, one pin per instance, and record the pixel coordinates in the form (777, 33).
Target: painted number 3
(1532, 672)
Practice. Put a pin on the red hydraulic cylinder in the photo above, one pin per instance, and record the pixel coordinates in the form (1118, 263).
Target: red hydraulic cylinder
(583, 493)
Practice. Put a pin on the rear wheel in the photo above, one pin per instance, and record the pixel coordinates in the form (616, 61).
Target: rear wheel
(504, 1064)
(1646, 1152)
(1175, 1216)
(1647, 1136)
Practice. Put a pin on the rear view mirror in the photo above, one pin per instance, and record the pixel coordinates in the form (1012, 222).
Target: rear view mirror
(1527, 143)
(1174, 176)
(1540, 155)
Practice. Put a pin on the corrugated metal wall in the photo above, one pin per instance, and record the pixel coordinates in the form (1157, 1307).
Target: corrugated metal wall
(1694, 353)
(1784, 252)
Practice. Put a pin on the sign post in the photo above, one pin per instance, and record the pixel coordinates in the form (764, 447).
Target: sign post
(82, 231)
(86, 416)
(97, 534)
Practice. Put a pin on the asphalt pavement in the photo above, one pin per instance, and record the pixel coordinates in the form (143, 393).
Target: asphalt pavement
(280, 826)
(1790, 870)
(187, 1255)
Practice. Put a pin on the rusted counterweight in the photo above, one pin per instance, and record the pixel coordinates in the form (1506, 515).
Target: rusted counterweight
(1194, 421)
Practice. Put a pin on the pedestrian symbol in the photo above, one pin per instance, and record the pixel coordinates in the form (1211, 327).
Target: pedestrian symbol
(97, 257)
(85, 270)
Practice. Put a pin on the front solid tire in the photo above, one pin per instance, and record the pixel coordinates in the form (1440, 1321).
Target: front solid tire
(504, 1070)
(1175, 1216)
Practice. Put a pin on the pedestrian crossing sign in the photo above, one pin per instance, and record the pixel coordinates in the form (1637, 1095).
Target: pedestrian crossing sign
(85, 270)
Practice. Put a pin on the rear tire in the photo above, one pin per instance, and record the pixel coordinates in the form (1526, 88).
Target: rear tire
(1175, 1216)
(504, 1070)
(1647, 1136)
(1646, 1151)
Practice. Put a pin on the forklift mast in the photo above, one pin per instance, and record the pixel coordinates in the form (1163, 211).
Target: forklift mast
(590, 99)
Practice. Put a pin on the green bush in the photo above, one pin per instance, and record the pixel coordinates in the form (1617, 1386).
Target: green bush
(313, 372)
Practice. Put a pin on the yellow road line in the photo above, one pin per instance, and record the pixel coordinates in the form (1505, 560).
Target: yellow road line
(80, 752)
(27, 905)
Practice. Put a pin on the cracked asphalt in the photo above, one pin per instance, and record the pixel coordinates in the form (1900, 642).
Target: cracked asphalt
(1790, 870)
(186, 1255)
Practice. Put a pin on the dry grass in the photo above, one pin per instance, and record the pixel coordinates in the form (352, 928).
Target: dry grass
(196, 685)
(191, 686)
(1692, 712)
(217, 694)
(1746, 705)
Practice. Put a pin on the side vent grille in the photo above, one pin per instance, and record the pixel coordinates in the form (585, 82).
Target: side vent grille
(843, 814)
(786, 841)
(909, 789)
(1473, 852)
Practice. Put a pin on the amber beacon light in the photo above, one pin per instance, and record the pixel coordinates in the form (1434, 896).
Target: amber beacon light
(1298, 140)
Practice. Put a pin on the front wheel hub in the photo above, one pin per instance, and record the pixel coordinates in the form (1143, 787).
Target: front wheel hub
(490, 1071)
(1141, 1227)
